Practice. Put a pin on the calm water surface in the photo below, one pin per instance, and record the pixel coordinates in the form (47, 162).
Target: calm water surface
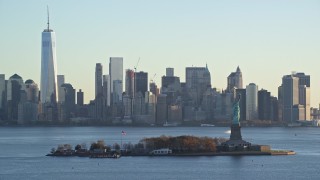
(23, 150)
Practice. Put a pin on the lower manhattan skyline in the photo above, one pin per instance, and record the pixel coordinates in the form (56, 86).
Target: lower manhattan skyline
(266, 39)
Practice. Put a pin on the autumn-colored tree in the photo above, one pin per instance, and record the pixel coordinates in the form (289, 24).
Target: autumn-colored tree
(182, 143)
(78, 146)
(97, 145)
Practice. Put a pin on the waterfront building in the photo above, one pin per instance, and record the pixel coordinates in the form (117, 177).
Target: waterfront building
(15, 86)
(48, 67)
(280, 103)
(298, 112)
(2, 90)
(304, 99)
(290, 96)
(27, 112)
(80, 97)
(3, 97)
(315, 113)
(141, 82)
(161, 110)
(98, 79)
(235, 80)
(198, 79)
(60, 81)
(116, 74)
(252, 102)
(274, 109)
(28, 104)
(304, 93)
(69, 100)
(264, 105)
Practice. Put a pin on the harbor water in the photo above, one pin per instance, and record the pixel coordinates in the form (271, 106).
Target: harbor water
(23, 150)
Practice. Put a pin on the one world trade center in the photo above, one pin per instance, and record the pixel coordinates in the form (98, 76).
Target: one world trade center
(48, 94)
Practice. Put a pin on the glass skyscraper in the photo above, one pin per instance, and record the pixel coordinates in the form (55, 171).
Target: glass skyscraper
(116, 78)
(252, 102)
(48, 67)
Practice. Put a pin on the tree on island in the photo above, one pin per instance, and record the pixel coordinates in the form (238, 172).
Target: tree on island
(116, 146)
(78, 147)
(99, 145)
(182, 144)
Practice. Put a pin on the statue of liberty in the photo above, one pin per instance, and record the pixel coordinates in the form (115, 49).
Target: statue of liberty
(236, 111)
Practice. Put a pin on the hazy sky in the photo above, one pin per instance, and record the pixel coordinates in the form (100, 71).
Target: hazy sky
(267, 39)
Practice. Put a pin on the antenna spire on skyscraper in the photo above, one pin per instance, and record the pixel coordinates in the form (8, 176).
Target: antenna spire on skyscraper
(48, 17)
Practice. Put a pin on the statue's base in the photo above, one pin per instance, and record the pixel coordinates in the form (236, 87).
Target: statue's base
(235, 143)
(235, 132)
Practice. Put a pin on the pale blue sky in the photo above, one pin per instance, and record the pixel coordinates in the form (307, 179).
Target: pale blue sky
(267, 39)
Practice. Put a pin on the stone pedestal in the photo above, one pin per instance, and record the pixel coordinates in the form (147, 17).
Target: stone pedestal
(235, 132)
(235, 143)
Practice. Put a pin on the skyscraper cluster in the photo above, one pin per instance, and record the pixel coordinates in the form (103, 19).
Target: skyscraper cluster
(130, 98)
(294, 97)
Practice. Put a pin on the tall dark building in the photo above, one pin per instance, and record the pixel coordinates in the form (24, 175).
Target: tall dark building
(69, 100)
(141, 79)
(170, 83)
(161, 110)
(3, 96)
(198, 80)
(98, 80)
(80, 98)
(264, 105)
(14, 88)
(280, 103)
(290, 96)
(129, 83)
(171, 87)
(274, 109)
(154, 88)
(242, 103)
(28, 106)
(304, 93)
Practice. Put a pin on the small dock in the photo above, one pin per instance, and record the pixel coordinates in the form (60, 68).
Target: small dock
(282, 152)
